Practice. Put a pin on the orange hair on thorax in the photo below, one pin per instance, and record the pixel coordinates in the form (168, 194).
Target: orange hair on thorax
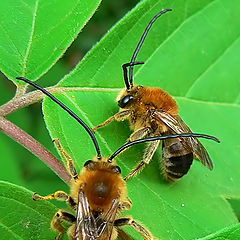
(159, 99)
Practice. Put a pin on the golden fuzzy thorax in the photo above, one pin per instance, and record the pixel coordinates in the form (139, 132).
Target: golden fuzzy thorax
(100, 185)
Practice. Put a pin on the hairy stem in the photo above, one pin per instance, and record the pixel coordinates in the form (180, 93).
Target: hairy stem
(27, 99)
(35, 147)
(21, 89)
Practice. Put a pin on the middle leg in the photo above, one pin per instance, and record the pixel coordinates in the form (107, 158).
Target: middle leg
(147, 157)
(146, 234)
(57, 220)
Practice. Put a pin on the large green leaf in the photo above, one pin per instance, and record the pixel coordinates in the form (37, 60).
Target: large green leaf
(21, 217)
(34, 34)
(187, 53)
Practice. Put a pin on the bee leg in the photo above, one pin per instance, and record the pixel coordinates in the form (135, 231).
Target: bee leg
(127, 205)
(120, 116)
(141, 133)
(147, 157)
(146, 234)
(59, 195)
(71, 232)
(70, 163)
(122, 235)
(57, 220)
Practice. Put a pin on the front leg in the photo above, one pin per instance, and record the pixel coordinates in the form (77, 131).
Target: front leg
(66, 157)
(120, 116)
(147, 157)
(60, 196)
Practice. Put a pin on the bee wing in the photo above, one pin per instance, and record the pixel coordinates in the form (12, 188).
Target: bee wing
(90, 228)
(107, 220)
(177, 125)
(86, 226)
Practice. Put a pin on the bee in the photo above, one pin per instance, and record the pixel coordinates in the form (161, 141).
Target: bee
(152, 111)
(98, 194)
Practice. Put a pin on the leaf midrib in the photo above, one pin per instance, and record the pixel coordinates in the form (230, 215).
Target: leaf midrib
(117, 90)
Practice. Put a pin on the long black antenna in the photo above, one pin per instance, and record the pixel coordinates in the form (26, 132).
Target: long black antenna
(125, 72)
(68, 110)
(127, 145)
(131, 65)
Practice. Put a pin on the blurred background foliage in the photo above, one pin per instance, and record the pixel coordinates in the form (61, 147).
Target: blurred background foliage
(18, 165)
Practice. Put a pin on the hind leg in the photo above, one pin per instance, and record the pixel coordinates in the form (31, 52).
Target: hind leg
(145, 233)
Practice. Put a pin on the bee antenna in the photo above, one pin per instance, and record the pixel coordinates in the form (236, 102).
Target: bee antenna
(125, 72)
(74, 115)
(127, 145)
(129, 83)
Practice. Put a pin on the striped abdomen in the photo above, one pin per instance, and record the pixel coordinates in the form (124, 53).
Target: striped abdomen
(176, 159)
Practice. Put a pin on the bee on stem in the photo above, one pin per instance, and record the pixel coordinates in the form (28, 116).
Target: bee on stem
(98, 193)
(152, 111)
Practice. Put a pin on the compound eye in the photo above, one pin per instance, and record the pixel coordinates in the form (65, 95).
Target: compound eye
(89, 164)
(125, 101)
(116, 169)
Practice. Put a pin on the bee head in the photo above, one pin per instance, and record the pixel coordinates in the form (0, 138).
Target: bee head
(93, 165)
(126, 98)
(122, 103)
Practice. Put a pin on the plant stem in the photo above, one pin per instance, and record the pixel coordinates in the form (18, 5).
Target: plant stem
(21, 90)
(27, 99)
(35, 147)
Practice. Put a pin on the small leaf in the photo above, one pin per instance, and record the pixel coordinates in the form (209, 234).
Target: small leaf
(34, 34)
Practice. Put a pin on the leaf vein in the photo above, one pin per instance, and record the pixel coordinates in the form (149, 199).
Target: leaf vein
(10, 231)
(214, 62)
(30, 39)
(60, 43)
(23, 204)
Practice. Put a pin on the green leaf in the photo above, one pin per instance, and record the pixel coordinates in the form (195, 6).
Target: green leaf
(228, 233)
(189, 52)
(34, 34)
(21, 217)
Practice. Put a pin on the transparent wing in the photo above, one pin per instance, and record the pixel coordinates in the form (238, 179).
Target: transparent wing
(177, 125)
(86, 226)
(90, 228)
(106, 220)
